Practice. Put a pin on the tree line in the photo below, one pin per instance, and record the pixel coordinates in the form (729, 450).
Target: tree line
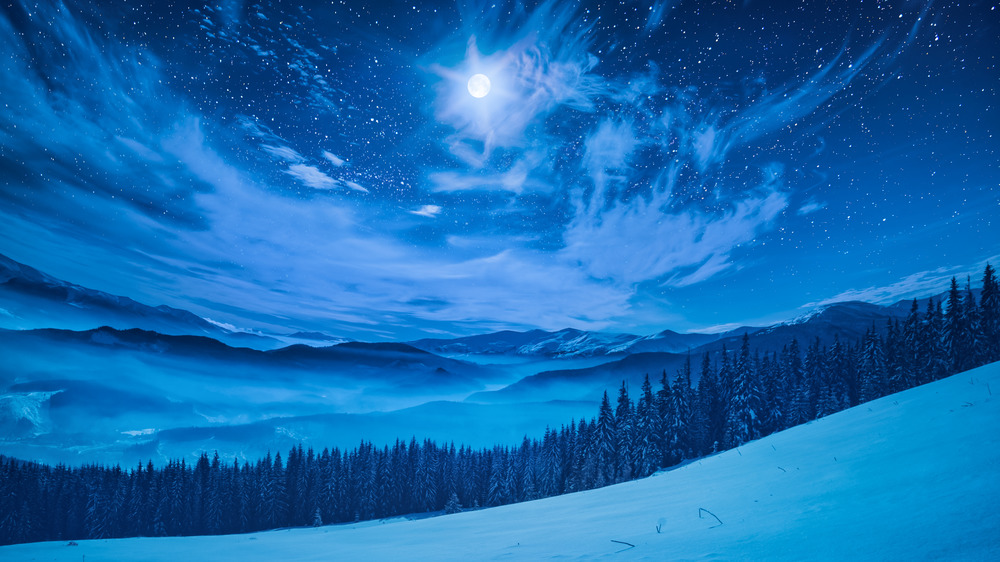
(740, 395)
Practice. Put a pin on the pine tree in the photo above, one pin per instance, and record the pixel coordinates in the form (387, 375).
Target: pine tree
(835, 388)
(712, 407)
(905, 371)
(498, 476)
(772, 393)
(725, 383)
(585, 457)
(648, 454)
(973, 341)
(954, 335)
(453, 505)
(680, 434)
(989, 316)
(744, 406)
(874, 381)
(665, 420)
(605, 444)
(934, 355)
(624, 436)
(802, 400)
(793, 380)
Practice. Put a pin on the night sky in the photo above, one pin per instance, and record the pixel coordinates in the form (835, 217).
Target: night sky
(688, 165)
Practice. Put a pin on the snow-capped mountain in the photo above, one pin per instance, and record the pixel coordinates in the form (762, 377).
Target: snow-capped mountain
(565, 343)
(847, 320)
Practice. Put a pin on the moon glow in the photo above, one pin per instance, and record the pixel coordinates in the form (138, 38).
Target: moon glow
(479, 85)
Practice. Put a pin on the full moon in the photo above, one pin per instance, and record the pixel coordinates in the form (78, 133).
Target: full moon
(479, 85)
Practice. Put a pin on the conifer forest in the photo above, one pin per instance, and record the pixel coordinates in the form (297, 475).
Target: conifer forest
(711, 404)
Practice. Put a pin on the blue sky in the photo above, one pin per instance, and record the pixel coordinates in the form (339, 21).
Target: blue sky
(634, 166)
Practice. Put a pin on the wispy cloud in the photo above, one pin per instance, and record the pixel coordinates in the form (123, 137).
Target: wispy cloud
(810, 207)
(916, 285)
(280, 54)
(311, 176)
(285, 153)
(517, 180)
(657, 11)
(334, 159)
(429, 211)
(642, 239)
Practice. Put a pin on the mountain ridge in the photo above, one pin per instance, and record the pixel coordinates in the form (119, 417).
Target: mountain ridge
(27, 291)
(34, 299)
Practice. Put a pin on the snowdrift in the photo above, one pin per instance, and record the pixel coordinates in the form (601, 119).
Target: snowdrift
(910, 476)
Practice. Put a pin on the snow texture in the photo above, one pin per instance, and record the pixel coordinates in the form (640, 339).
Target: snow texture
(906, 477)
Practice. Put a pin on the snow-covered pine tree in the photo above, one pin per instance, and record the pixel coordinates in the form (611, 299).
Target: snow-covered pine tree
(874, 381)
(989, 316)
(743, 419)
(771, 394)
(427, 477)
(954, 334)
(794, 375)
(648, 455)
(680, 431)
(605, 444)
(725, 383)
(972, 341)
(905, 372)
(934, 354)
(833, 395)
(624, 436)
(585, 463)
(665, 420)
(711, 407)
(813, 376)
(526, 471)
(453, 505)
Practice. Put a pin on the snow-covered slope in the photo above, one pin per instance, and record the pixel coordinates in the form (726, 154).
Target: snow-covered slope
(911, 476)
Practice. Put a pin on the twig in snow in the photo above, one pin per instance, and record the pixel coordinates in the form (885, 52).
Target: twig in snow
(701, 509)
(630, 545)
(988, 389)
(781, 469)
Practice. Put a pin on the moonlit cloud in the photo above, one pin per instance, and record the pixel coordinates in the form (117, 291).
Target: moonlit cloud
(140, 149)
(810, 207)
(429, 211)
(285, 153)
(542, 67)
(334, 159)
(516, 180)
(311, 176)
(915, 285)
(643, 240)
(657, 11)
